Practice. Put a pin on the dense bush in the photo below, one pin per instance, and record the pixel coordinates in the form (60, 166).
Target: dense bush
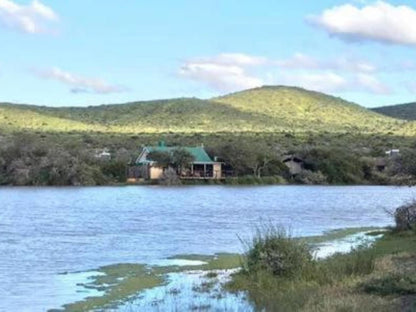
(310, 177)
(405, 217)
(340, 166)
(254, 158)
(26, 161)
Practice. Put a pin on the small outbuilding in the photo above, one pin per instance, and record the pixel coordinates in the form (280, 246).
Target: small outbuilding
(393, 152)
(294, 163)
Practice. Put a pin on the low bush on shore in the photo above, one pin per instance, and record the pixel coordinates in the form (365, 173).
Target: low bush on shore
(275, 251)
(405, 217)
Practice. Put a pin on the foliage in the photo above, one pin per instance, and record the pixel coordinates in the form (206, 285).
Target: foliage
(249, 130)
(163, 159)
(181, 159)
(405, 217)
(358, 262)
(115, 170)
(254, 158)
(267, 109)
(401, 111)
(311, 177)
(170, 177)
(276, 252)
(279, 274)
(391, 284)
(29, 162)
(340, 166)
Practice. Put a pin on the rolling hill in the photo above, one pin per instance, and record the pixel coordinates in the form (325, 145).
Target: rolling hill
(400, 111)
(267, 109)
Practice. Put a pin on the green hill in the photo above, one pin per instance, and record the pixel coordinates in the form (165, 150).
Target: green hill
(266, 109)
(400, 111)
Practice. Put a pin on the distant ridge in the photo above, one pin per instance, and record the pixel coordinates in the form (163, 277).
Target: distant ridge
(266, 109)
(401, 111)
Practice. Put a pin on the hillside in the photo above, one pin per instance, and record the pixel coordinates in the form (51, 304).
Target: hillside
(400, 111)
(266, 109)
(296, 108)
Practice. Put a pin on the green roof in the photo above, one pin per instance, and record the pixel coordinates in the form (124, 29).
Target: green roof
(199, 153)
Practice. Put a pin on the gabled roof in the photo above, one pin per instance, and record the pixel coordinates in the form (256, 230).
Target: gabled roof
(199, 153)
(294, 158)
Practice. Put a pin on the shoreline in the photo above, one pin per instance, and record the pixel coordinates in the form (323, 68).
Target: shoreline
(153, 279)
(195, 185)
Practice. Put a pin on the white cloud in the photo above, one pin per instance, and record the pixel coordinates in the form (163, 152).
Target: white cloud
(236, 59)
(33, 18)
(332, 82)
(379, 21)
(371, 84)
(225, 72)
(233, 72)
(341, 63)
(79, 84)
(323, 82)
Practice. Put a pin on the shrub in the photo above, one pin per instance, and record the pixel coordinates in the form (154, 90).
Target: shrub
(310, 177)
(405, 217)
(275, 251)
(170, 177)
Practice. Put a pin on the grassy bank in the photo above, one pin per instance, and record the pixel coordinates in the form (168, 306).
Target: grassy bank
(122, 282)
(381, 278)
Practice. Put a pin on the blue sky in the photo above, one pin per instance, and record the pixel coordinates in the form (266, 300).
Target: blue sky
(95, 52)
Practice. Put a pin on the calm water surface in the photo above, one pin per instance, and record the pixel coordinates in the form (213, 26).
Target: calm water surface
(47, 231)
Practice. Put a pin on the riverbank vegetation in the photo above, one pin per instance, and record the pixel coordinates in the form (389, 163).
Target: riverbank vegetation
(279, 273)
(256, 158)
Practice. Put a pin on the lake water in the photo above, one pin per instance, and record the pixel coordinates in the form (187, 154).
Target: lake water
(48, 231)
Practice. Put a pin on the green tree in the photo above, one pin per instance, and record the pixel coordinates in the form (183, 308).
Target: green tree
(163, 159)
(181, 159)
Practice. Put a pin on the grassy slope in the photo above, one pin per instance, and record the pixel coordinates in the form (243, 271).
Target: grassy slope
(267, 109)
(401, 111)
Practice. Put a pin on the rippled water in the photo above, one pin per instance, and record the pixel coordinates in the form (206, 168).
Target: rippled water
(47, 231)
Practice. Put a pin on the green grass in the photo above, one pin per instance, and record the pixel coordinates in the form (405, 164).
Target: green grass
(382, 278)
(392, 284)
(341, 233)
(122, 281)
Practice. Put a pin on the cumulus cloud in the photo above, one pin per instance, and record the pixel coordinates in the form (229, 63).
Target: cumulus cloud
(236, 59)
(225, 72)
(324, 82)
(79, 84)
(341, 63)
(33, 18)
(333, 82)
(379, 21)
(371, 84)
(236, 71)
